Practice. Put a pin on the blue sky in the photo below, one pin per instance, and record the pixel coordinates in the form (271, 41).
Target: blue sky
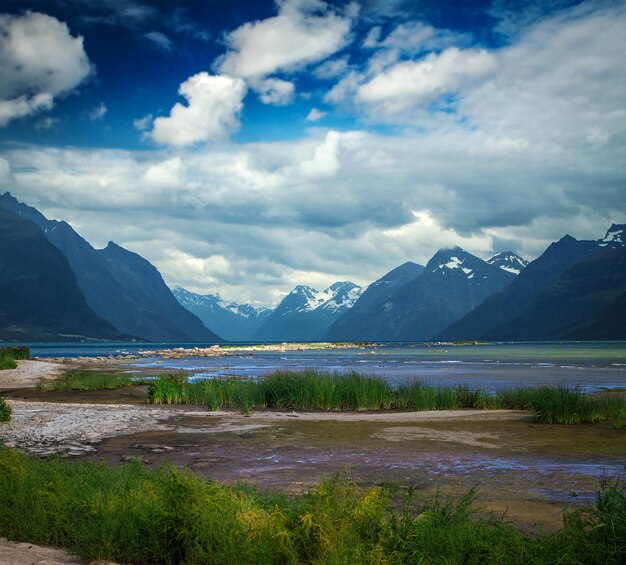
(245, 147)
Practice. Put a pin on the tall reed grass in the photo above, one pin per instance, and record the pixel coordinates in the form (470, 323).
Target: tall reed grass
(133, 515)
(319, 390)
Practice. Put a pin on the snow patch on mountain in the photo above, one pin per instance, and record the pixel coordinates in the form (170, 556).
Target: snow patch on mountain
(614, 236)
(509, 262)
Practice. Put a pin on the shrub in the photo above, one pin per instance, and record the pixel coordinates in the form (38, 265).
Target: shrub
(130, 514)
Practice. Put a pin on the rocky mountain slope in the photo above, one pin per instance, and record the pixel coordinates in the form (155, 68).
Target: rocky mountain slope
(119, 286)
(40, 299)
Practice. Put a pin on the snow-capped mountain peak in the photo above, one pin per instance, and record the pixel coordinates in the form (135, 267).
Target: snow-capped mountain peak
(454, 259)
(339, 295)
(508, 261)
(614, 236)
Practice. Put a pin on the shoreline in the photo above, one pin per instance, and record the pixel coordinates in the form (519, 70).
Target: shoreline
(527, 467)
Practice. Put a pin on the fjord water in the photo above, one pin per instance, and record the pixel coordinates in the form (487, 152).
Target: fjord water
(589, 365)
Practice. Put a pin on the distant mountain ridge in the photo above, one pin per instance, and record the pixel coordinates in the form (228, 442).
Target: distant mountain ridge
(119, 286)
(574, 290)
(502, 315)
(232, 321)
(306, 313)
(452, 283)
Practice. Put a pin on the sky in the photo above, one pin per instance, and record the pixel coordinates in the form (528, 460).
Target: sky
(247, 147)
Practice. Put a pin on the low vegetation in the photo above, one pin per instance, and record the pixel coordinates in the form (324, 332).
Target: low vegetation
(12, 353)
(134, 515)
(316, 390)
(5, 410)
(91, 380)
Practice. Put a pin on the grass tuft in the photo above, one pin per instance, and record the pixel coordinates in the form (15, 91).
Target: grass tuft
(12, 353)
(5, 410)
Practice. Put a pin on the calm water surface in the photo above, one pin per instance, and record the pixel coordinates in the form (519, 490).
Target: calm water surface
(591, 366)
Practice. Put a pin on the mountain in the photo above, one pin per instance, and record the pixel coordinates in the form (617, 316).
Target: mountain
(493, 318)
(39, 295)
(305, 314)
(119, 286)
(571, 306)
(508, 261)
(353, 324)
(609, 324)
(234, 322)
(452, 283)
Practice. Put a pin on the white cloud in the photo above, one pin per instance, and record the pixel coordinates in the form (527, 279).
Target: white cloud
(333, 68)
(303, 32)
(47, 123)
(275, 91)
(30, 82)
(143, 123)
(98, 113)
(529, 153)
(410, 83)
(315, 115)
(213, 106)
(416, 36)
(160, 40)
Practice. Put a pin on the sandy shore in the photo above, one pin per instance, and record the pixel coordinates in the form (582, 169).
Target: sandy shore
(29, 373)
(13, 553)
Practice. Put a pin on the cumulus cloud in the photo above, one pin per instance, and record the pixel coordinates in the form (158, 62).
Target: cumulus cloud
(411, 83)
(304, 31)
(275, 91)
(31, 82)
(212, 111)
(415, 37)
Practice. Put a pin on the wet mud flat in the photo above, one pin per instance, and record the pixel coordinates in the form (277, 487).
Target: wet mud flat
(530, 472)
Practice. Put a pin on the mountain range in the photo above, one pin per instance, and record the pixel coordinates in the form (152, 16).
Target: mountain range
(556, 297)
(55, 286)
(448, 287)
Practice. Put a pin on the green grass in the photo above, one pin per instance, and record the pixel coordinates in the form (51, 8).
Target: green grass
(7, 363)
(90, 380)
(319, 390)
(5, 410)
(11, 353)
(133, 515)
(17, 352)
